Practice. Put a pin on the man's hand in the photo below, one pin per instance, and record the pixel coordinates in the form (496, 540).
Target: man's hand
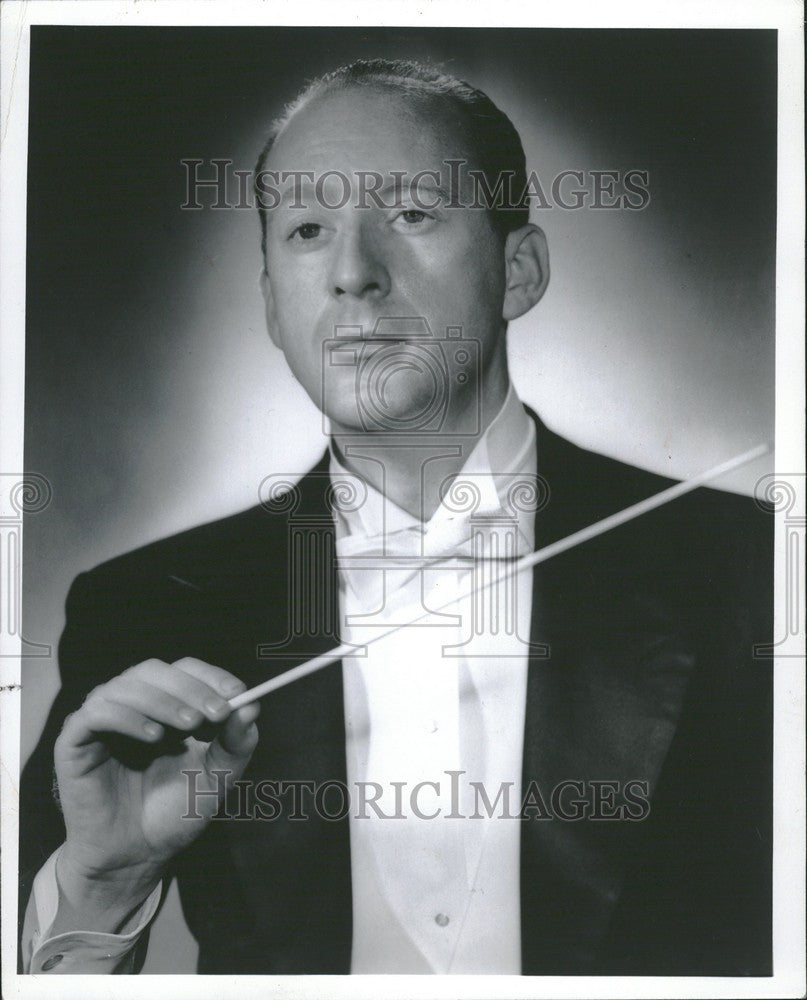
(119, 762)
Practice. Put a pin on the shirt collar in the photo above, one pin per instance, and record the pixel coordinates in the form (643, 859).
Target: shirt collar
(506, 448)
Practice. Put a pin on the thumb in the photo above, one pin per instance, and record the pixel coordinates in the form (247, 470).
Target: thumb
(236, 740)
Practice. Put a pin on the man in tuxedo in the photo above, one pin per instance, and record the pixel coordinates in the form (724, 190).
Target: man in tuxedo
(608, 700)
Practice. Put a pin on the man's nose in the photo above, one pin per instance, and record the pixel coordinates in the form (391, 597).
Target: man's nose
(359, 269)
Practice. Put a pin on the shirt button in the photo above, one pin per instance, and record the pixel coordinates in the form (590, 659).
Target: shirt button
(51, 963)
(441, 920)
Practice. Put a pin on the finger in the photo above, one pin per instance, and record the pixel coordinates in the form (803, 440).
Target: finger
(235, 741)
(224, 683)
(97, 716)
(153, 701)
(184, 686)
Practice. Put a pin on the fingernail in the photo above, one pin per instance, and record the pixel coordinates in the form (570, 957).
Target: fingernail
(232, 687)
(188, 715)
(152, 729)
(215, 706)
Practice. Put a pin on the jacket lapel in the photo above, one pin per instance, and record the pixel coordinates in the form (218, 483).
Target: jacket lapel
(267, 604)
(602, 706)
(303, 740)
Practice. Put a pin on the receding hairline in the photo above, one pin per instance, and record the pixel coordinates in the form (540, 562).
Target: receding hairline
(410, 99)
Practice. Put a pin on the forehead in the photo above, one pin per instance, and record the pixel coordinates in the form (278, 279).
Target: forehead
(370, 128)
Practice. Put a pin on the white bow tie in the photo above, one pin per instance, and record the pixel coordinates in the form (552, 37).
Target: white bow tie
(453, 543)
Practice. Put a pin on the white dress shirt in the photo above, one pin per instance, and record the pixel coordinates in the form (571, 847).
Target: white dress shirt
(440, 702)
(438, 893)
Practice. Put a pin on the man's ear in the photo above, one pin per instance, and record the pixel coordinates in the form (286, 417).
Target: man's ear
(527, 262)
(269, 307)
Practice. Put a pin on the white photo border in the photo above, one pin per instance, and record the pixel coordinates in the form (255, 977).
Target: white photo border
(789, 764)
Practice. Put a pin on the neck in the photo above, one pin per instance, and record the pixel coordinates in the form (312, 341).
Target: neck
(410, 469)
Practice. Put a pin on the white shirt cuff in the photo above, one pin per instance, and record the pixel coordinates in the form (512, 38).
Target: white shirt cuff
(79, 951)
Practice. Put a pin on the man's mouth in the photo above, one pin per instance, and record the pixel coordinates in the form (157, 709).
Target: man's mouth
(385, 330)
(375, 341)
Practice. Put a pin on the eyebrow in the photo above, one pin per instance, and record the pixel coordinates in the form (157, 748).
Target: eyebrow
(424, 184)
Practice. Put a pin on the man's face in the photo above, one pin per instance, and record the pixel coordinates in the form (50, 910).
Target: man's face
(331, 268)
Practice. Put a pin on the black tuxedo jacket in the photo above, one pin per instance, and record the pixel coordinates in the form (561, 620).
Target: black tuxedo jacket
(642, 670)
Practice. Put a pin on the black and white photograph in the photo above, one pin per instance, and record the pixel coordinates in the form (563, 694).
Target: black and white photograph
(403, 419)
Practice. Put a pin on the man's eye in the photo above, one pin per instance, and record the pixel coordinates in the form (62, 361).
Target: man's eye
(307, 231)
(412, 216)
